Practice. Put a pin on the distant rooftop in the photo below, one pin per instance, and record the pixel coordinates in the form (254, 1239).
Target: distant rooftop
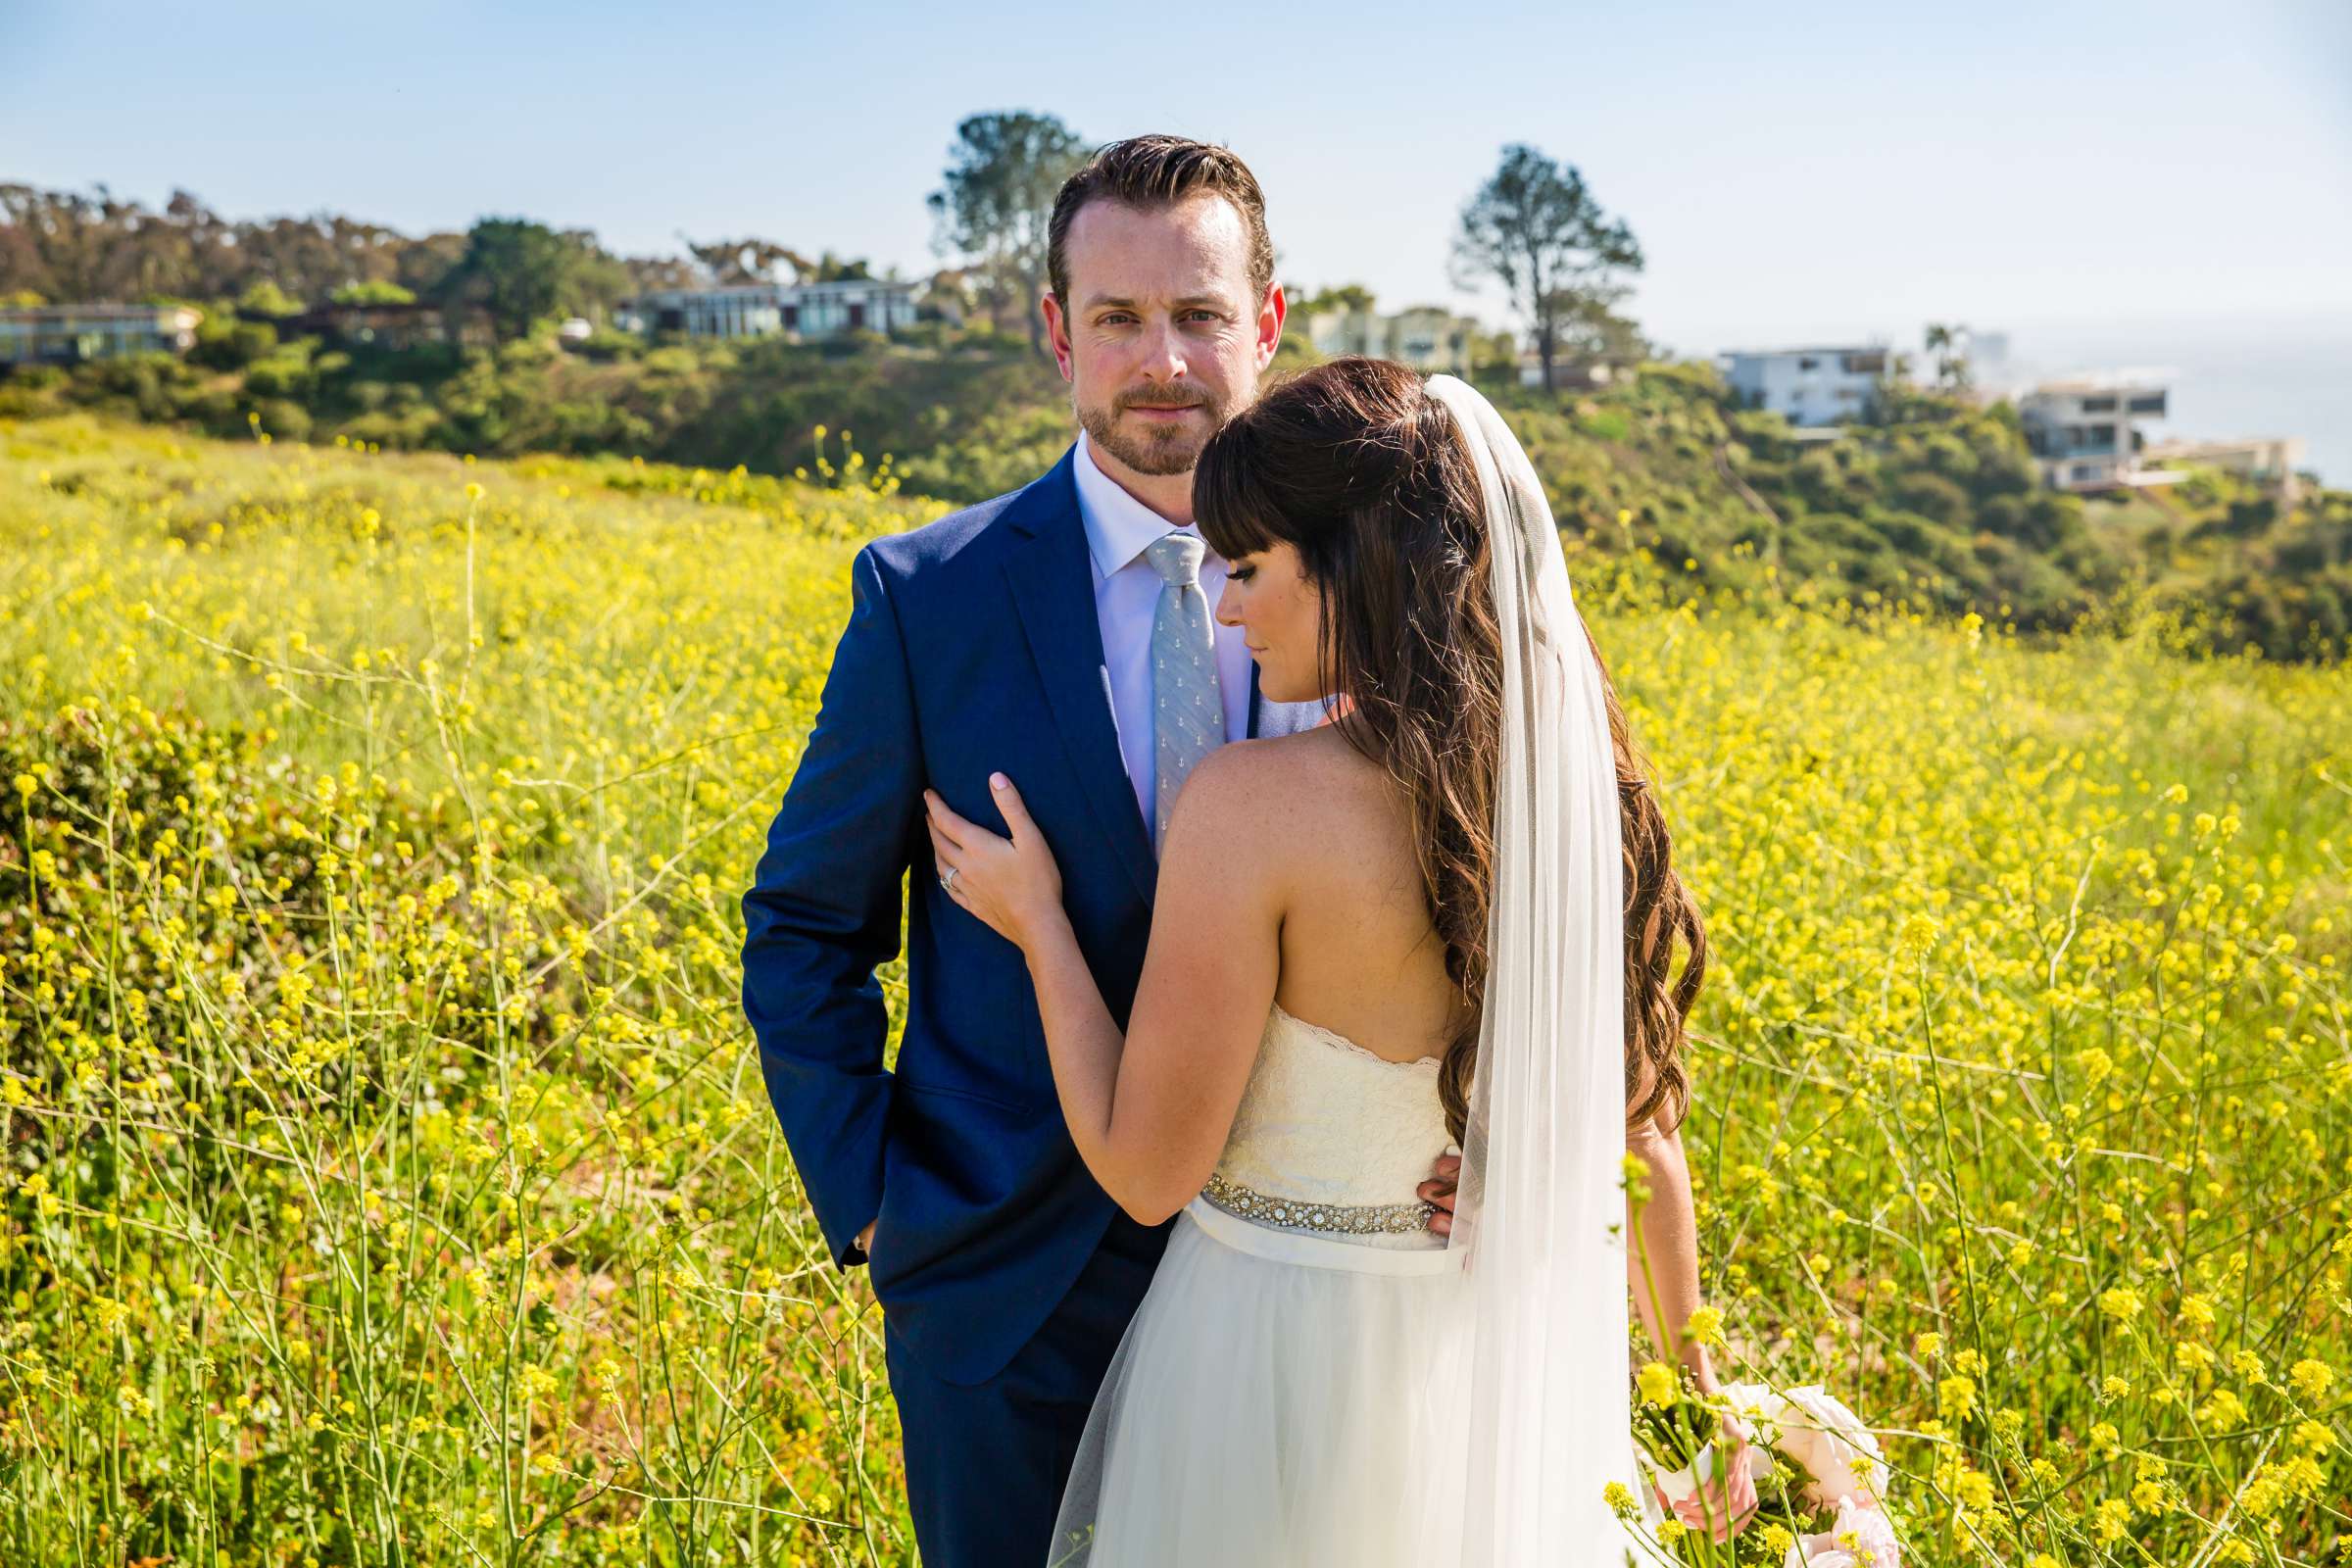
(97, 312)
(2123, 380)
(1833, 348)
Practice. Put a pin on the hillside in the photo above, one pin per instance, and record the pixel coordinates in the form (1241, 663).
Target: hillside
(1939, 508)
(390, 1177)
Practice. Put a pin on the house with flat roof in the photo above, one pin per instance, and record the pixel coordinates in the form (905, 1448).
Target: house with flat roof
(743, 310)
(2266, 460)
(2084, 430)
(63, 334)
(1824, 385)
(765, 309)
(848, 304)
(1425, 337)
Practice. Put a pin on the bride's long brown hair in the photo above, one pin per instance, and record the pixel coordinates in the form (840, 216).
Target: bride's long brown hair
(1355, 466)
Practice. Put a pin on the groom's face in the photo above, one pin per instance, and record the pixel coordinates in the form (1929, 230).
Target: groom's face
(1162, 339)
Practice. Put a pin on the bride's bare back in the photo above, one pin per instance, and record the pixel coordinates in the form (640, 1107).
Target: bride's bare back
(1287, 883)
(1359, 955)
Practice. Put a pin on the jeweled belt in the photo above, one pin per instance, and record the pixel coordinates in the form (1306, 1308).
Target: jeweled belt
(1345, 1219)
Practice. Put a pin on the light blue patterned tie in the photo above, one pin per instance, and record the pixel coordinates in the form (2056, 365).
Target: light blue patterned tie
(1188, 712)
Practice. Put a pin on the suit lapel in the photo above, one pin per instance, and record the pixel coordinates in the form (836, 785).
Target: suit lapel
(1054, 589)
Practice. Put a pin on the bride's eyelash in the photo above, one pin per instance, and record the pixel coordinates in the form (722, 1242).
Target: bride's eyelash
(1241, 573)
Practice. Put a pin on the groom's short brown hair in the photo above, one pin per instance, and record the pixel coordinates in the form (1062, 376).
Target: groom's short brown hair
(1157, 172)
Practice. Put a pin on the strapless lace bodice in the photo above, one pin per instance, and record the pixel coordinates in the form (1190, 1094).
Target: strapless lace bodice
(1327, 1125)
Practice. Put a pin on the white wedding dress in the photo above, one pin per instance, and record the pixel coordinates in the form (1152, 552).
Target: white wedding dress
(1292, 1389)
(1313, 1380)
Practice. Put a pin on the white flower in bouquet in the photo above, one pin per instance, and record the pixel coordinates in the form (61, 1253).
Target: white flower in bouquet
(1832, 1445)
(1834, 1466)
(1862, 1537)
(1826, 1443)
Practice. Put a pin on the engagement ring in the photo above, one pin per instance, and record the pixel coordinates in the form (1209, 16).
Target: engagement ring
(947, 878)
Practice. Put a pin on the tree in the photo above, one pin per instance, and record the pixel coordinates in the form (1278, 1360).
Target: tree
(1586, 328)
(1348, 299)
(263, 297)
(70, 247)
(1950, 344)
(516, 271)
(996, 203)
(374, 291)
(750, 260)
(73, 247)
(947, 297)
(832, 268)
(1534, 229)
(647, 274)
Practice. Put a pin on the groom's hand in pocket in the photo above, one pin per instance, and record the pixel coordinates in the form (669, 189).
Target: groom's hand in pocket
(1438, 1191)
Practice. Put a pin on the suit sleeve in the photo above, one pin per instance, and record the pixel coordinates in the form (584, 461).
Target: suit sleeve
(824, 911)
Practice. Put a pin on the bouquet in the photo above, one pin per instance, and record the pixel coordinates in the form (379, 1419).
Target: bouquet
(1821, 1508)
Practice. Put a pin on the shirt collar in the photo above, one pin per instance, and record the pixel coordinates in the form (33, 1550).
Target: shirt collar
(1119, 527)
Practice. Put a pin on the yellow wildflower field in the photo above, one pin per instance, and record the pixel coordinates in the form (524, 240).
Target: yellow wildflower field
(389, 1177)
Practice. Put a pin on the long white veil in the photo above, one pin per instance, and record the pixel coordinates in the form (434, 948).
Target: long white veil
(1540, 1209)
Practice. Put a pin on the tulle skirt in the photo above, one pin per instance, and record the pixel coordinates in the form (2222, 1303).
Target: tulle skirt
(1280, 1398)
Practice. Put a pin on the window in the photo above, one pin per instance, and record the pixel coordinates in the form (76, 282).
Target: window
(2104, 404)
(1808, 364)
(2148, 403)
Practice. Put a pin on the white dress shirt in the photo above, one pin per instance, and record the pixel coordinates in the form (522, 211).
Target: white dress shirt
(1118, 529)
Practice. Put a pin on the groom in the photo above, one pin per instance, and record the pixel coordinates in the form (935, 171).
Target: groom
(1019, 634)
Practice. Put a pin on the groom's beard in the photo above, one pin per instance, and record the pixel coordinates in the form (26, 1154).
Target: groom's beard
(1155, 450)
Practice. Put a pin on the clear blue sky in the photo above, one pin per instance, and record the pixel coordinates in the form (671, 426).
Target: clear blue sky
(1793, 172)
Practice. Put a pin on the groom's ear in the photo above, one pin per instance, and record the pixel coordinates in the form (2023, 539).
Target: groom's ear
(1058, 330)
(1271, 313)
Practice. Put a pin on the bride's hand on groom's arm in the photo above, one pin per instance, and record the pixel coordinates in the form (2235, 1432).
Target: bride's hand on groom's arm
(1013, 884)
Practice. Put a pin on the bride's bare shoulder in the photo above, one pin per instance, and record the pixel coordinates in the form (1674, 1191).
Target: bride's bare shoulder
(1275, 788)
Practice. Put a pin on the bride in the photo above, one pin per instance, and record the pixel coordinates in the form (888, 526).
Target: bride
(1401, 934)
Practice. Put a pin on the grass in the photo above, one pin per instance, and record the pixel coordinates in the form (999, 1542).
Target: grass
(388, 1174)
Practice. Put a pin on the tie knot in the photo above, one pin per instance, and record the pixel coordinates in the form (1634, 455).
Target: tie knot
(1177, 557)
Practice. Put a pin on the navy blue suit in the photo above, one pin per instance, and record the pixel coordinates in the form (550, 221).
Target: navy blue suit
(1006, 1273)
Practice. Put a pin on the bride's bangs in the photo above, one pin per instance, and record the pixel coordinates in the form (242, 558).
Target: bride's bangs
(1231, 508)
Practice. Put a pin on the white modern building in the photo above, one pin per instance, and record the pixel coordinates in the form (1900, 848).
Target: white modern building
(62, 335)
(2084, 430)
(2267, 459)
(1808, 385)
(1423, 337)
(764, 309)
(747, 309)
(852, 305)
